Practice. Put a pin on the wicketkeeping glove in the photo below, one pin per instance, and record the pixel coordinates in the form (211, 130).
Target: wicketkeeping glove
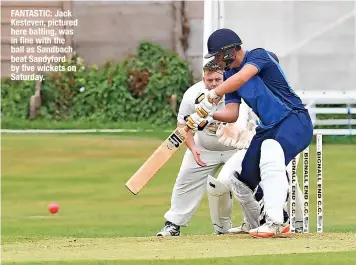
(229, 134)
(247, 135)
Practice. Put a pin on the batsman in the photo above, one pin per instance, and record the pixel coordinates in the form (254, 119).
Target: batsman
(209, 148)
(213, 145)
(285, 130)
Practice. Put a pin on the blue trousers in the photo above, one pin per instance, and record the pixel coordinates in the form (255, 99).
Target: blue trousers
(294, 133)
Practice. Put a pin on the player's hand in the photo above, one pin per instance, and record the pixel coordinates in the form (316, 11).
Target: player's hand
(206, 106)
(247, 136)
(196, 154)
(194, 122)
(229, 134)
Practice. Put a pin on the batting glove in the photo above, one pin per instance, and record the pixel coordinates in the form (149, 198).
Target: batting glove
(194, 122)
(206, 106)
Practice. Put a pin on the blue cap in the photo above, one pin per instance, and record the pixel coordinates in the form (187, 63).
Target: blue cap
(221, 39)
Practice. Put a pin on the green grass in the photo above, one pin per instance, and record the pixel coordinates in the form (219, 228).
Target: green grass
(86, 174)
(331, 258)
(16, 123)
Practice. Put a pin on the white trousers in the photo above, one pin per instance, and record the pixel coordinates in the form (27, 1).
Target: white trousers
(190, 185)
(191, 182)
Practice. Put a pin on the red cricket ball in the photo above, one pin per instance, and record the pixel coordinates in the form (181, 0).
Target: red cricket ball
(53, 208)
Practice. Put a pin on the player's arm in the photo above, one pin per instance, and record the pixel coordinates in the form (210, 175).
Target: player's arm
(189, 142)
(229, 114)
(231, 111)
(257, 60)
(237, 80)
(186, 108)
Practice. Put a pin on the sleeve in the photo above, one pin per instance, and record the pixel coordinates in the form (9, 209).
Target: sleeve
(243, 115)
(186, 108)
(232, 97)
(259, 58)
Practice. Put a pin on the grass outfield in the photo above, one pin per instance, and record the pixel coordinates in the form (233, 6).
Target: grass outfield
(99, 217)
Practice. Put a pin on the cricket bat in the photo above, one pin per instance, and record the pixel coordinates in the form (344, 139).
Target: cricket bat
(157, 160)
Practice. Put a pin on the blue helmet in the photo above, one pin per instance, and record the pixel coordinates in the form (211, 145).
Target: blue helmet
(220, 40)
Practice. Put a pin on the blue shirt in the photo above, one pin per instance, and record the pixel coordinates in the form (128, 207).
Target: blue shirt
(268, 93)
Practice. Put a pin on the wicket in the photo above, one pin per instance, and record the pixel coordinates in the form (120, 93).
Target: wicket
(319, 189)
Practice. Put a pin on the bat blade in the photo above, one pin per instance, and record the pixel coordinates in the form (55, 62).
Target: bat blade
(157, 160)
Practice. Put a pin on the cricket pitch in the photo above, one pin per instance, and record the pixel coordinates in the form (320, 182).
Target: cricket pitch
(151, 248)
